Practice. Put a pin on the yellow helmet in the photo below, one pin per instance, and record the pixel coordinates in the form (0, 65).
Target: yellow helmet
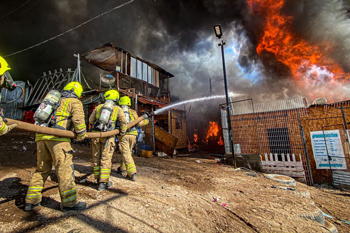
(112, 95)
(3, 66)
(125, 100)
(75, 86)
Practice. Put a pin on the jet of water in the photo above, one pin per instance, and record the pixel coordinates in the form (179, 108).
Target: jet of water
(195, 100)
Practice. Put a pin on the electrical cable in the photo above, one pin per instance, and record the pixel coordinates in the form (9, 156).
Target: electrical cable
(72, 29)
(14, 9)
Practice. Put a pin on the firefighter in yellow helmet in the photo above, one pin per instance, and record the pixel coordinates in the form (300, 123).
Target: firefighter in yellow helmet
(128, 141)
(104, 118)
(53, 150)
(7, 82)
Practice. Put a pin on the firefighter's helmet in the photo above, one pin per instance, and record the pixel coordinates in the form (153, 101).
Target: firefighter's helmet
(112, 95)
(4, 66)
(75, 87)
(125, 100)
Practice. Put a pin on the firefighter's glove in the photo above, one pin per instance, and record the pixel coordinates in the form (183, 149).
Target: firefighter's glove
(11, 127)
(122, 133)
(146, 115)
(81, 137)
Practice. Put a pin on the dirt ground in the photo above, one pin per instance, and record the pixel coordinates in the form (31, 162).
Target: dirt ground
(183, 194)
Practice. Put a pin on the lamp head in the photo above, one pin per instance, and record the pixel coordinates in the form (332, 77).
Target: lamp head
(218, 31)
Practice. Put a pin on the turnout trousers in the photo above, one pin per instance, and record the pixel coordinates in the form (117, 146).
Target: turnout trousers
(59, 154)
(126, 143)
(102, 153)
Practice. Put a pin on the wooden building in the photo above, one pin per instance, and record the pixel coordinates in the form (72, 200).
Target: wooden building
(148, 86)
(284, 129)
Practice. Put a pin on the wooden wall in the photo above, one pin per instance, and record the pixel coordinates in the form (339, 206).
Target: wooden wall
(317, 119)
(181, 134)
(251, 131)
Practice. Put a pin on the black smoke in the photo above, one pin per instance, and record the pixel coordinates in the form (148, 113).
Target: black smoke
(176, 35)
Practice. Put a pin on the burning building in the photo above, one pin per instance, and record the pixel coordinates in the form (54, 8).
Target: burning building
(144, 82)
(148, 86)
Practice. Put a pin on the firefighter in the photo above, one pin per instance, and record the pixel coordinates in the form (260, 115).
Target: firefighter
(104, 118)
(7, 82)
(53, 150)
(128, 141)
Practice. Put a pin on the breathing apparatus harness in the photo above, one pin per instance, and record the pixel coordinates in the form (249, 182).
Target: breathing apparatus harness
(105, 117)
(45, 115)
(129, 117)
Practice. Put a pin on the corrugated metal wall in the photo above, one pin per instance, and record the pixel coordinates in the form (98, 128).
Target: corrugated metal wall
(13, 110)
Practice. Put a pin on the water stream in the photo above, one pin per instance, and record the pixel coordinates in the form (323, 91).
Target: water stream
(195, 100)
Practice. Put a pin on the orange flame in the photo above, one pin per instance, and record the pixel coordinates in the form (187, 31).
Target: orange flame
(213, 130)
(195, 137)
(221, 142)
(278, 38)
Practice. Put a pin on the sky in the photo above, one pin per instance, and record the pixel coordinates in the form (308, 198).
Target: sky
(179, 37)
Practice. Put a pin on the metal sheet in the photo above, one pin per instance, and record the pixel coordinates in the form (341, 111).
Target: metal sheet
(270, 106)
(12, 110)
(341, 178)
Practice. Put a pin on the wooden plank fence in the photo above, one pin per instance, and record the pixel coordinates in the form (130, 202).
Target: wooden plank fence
(288, 164)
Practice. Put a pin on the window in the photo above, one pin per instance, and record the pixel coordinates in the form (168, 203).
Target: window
(178, 123)
(150, 75)
(279, 140)
(144, 72)
(139, 69)
(133, 67)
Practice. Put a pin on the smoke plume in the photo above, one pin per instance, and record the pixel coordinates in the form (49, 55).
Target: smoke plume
(179, 37)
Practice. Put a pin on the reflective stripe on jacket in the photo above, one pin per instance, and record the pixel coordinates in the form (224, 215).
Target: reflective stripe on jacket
(69, 115)
(133, 116)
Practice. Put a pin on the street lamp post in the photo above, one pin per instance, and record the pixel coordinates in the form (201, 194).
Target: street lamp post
(218, 33)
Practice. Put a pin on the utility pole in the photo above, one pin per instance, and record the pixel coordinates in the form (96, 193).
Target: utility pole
(218, 32)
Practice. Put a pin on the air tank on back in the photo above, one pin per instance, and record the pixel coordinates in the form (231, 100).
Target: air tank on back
(46, 108)
(106, 112)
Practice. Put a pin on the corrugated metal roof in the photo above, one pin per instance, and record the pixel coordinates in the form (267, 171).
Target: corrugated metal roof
(104, 57)
(270, 106)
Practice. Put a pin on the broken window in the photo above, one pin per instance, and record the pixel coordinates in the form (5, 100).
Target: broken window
(178, 123)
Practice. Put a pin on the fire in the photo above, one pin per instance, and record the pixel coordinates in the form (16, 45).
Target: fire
(213, 130)
(221, 142)
(304, 60)
(195, 137)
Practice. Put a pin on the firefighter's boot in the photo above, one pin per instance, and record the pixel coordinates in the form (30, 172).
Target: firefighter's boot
(133, 177)
(30, 207)
(105, 185)
(79, 206)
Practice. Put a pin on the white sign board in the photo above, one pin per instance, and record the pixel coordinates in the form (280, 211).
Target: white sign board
(333, 147)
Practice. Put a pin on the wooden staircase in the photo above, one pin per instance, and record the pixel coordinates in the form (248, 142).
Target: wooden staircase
(165, 141)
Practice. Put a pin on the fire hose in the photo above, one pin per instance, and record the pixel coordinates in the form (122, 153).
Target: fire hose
(67, 133)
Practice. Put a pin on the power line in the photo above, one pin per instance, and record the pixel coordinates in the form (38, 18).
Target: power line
(72, 29)
(14, 9)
